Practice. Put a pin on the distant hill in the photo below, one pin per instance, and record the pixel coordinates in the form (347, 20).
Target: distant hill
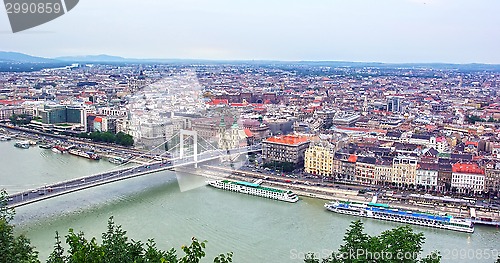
(15, 57)
(94, 58)
(18, 61)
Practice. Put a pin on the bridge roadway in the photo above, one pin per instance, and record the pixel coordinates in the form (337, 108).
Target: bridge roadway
(73, 185)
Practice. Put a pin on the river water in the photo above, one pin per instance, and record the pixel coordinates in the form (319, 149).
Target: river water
(173, 207)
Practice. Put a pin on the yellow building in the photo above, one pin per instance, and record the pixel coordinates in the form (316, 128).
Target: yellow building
(404, 170)
(319, 160)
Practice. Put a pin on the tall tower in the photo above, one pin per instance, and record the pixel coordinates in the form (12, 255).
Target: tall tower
(394, 104)
(365, 106)
(235, 134)
(222, 134)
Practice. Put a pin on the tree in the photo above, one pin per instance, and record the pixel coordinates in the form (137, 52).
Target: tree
(124, 139)
(396, 245)
(116, 247)
(21, 119)
(473, 118)
(13, 248)
(57, 256)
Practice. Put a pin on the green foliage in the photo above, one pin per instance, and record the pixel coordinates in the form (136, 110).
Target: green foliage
(13, 248)
(396, 245)
(116, 247)
(251, 158)
(124, 139)
(473, 118)
(57, 256)
(228, 257)
(194, 252)
(119, 138)
(21, 119)
(6, 213)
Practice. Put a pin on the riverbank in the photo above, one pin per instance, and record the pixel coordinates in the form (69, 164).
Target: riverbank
(328, 193)
(103, 150)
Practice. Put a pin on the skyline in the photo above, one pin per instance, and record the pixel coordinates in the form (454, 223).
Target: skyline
(389, 31)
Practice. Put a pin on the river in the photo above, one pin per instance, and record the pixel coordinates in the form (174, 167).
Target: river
(172, 207)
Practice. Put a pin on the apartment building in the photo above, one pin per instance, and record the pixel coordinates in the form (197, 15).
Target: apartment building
(427, 175)
(285, 148)
(319, 160)
(404, 170)
(467, 178)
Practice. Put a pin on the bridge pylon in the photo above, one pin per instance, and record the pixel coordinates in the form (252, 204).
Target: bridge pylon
(188, 133)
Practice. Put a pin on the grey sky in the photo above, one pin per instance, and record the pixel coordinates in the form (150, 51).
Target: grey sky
(458, 31)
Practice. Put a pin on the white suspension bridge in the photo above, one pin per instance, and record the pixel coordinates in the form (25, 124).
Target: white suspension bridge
(198, 153)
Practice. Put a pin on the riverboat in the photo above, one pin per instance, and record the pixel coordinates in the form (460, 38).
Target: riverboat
(255, 189)
(58, 149)
(88, 155)
(384, 212)
(22, 145)
(117, 160)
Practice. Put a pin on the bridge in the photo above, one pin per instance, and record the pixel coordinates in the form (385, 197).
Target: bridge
(69, 186)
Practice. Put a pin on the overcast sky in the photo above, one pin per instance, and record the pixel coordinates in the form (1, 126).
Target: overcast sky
(456, 31)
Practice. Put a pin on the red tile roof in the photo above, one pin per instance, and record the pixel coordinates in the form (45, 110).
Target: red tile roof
(248, 133)
(469, 168)
(288, 139)
(11, 102)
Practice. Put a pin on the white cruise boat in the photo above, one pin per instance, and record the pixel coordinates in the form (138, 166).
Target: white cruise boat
(384, 212)
(255, 189)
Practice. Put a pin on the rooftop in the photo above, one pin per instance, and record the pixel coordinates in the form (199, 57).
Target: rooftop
(288, 139)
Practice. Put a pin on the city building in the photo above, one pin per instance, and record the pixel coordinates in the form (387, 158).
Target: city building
(7, 111)
(285, 148)
(404, 171)
(365, 170)
(394, 104)
(346, 119)
(427, 175)
(319, 159)
(383, 170)
(61, 114)
(492, 178)
(230, 138)
(467, 178)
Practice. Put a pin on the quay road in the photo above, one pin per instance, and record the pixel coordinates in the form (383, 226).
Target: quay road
(69, 186)
(113, 149)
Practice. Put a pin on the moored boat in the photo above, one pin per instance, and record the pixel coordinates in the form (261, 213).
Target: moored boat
(46, 146)
(88, 155)
(384, 212)
(117, 160)
(255, 189)
(22, 145)
(5, 138)
(58, 149)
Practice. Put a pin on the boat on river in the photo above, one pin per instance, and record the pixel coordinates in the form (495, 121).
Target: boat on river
(255, 189)
(387, 213)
